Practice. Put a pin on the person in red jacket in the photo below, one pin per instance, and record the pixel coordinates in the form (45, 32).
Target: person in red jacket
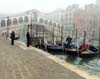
(84, 46)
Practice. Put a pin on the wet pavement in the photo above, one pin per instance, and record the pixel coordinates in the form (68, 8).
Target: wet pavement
(17, 63)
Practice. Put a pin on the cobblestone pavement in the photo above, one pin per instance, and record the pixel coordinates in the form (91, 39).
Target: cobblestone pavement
(16, 63)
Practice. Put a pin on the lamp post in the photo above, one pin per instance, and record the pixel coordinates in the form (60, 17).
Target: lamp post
(7, 28)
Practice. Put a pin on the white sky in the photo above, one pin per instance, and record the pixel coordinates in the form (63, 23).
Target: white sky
(16, 6)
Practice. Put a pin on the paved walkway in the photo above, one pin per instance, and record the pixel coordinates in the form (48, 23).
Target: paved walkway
(16, 63)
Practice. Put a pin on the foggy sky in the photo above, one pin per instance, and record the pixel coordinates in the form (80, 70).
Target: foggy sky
(16, 6)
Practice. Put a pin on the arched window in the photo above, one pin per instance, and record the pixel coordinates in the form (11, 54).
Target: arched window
(50, 23)
(3, 23)
(26, 19)
(41, 20)
(46, 21)
(9, 22)
(15, 21)
(20, 20)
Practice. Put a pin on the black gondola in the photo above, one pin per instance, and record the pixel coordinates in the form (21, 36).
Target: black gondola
(54, 48)
(75, 50)
(93, 51)
(89, 54)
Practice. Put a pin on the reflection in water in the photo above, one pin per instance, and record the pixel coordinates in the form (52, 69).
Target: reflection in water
(92, 65)
(85, 60)
(71, 58)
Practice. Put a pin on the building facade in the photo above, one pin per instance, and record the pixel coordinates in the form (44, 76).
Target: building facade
(70, 19)
(92, 20)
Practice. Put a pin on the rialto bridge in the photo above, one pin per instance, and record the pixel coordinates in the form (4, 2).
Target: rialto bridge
(32, 21)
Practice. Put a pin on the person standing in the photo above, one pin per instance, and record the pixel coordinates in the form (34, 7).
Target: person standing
(12, 37)
(28, 39)
(69, 41)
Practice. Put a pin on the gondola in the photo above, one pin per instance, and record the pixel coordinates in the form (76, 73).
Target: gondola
(92, 51)
(82, 53)
(89, 54)
(54, 48)
(72, 50)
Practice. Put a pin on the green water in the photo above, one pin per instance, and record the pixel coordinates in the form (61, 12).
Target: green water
(92, 65)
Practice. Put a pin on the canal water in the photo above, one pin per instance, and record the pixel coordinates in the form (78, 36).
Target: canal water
(92, 65)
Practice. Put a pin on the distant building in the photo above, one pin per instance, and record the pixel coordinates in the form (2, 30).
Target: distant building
(92, 19)
(78, 22)
(69, 18)
(98, 2)
(58, 16)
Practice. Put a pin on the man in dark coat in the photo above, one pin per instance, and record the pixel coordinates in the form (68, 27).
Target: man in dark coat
(28, 39)
(12, 37)
(69, 41)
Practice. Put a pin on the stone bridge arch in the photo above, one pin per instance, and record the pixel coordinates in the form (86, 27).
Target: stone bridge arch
(15, 21)
(20, 20)
(3, 23)
(26, 19)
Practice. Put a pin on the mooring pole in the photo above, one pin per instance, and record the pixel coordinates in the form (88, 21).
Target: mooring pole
(99, 36)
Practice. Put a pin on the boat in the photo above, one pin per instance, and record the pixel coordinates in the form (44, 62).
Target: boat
(75, 50)
(54, 48)
(93, 51)
(74, 47)
(88, 54)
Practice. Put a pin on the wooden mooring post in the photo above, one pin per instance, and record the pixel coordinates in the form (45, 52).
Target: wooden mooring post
(99, 40)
